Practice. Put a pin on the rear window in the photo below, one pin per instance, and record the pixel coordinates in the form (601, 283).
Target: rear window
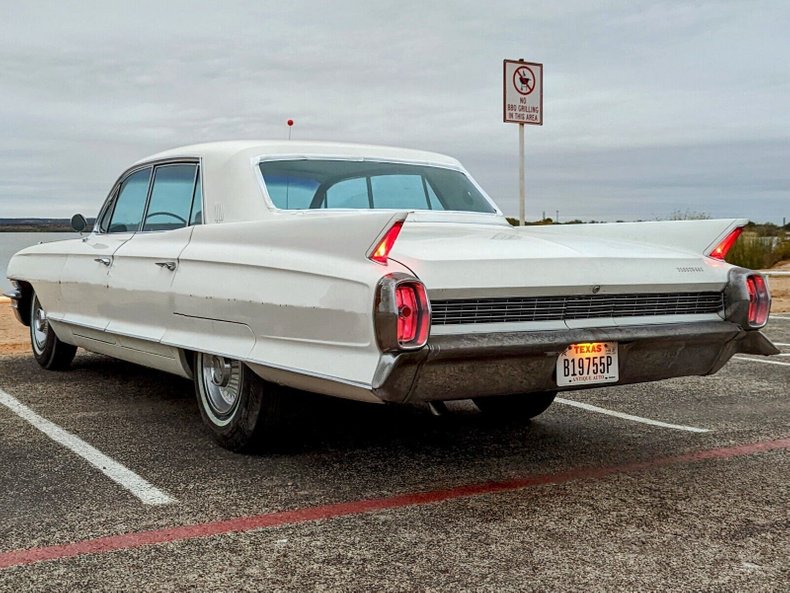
(308, 183)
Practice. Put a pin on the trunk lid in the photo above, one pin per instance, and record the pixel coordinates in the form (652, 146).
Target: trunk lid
(479, 259)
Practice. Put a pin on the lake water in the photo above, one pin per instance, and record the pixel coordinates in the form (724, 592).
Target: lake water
(10, 243)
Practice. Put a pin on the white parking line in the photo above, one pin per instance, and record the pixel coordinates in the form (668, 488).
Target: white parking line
(590, 408)
(749, 359)
(143, 490)
(779, 317)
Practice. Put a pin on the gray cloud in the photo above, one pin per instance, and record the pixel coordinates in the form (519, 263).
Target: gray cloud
(650, 106)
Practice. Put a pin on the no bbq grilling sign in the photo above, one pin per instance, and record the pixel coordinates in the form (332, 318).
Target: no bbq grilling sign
(523, 92)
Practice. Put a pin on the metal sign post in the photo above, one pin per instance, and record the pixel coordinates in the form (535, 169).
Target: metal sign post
(523, 104)
(522, 190)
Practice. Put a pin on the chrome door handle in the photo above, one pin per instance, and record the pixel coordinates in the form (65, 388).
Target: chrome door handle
(170, 265)
(103, 260)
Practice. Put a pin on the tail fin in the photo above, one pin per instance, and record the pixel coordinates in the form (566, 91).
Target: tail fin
(696, 236)
(345, 234)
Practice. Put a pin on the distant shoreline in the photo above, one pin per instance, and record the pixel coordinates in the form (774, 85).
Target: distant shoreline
(36, 225)
(35, 229)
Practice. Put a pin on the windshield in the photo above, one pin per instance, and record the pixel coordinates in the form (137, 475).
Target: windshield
(308, 183)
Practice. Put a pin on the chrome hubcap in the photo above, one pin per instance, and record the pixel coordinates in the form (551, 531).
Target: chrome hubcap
(40, 325)
(220, 370)
(221, 384)
(41, 320)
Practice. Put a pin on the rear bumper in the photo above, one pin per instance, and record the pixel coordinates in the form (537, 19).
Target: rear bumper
(477, 365)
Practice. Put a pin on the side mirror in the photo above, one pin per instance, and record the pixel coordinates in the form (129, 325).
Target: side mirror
(78, 223)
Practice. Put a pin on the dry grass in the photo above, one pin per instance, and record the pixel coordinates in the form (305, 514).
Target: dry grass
(758, 253)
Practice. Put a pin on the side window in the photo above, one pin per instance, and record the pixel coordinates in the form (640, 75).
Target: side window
(129, 206)
(171, 197)
(196, 216)
(351, 193)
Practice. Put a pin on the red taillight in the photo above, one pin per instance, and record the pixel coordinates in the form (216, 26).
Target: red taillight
(759, 301)
(413, 314)
(720, 251)
(381, 251)
(402, 313)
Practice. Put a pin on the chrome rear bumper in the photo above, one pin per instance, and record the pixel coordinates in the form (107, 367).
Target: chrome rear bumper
(477, 365)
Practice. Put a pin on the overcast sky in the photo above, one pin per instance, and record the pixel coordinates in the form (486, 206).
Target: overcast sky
(650, 107)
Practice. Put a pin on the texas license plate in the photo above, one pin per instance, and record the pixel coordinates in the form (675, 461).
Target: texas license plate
(588, 364)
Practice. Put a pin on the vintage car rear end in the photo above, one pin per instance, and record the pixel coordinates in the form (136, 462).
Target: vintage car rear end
(514, 311)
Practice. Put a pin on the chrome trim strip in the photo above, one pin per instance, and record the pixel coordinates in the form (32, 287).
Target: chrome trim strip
(315, 382)
(561, 308)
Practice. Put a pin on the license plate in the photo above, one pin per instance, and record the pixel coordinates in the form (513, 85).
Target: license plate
(588, 364)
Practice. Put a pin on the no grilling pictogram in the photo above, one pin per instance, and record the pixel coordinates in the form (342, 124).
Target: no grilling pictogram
(524, 80)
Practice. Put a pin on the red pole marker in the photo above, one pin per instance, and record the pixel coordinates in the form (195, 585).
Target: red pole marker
(290, 123)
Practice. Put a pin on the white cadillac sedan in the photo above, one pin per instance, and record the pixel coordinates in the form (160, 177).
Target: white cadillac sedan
(376, 274)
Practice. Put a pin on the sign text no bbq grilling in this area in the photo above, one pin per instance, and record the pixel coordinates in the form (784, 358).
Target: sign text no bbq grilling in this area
(523, 92)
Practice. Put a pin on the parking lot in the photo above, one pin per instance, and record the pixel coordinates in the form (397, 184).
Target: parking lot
(681, 485)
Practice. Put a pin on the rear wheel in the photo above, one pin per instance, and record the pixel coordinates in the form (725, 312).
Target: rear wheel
(48, 350)
(517, 407)
(241, 409)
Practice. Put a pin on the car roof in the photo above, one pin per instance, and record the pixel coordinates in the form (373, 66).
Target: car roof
(223, 151)
(232, 191)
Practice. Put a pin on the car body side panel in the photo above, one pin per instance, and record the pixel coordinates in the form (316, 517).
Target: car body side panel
(306, 306)
(156, 356)
(140, 296)
(83, 280)
(293, 292)
(42, 266)
(69, 282)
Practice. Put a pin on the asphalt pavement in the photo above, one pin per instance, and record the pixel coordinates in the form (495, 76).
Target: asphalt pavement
(359, 497)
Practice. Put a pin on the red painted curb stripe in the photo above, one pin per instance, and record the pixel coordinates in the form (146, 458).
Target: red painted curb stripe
(185, 532)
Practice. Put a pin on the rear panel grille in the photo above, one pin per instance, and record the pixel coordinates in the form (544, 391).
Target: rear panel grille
(509, 310)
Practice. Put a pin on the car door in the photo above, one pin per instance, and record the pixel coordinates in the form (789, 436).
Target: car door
(143, 268)
(83, 279)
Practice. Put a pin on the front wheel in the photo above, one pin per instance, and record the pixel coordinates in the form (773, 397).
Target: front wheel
(48, 350)
(517, 407)
(241, 409)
